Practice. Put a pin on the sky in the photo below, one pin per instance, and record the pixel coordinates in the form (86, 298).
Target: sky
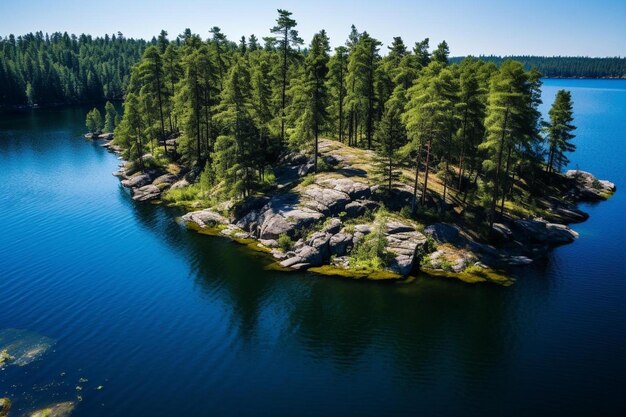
(522, 27)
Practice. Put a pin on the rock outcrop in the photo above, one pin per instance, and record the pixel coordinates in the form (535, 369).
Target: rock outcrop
(586, 187)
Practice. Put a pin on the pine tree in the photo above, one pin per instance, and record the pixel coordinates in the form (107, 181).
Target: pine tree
(236, 150)
(287, 40)
(429, 117)
(390, 137)
(442, 53)
(110, 116)
(560, 131)
(506, 125)
(94, 121)
(361, 99)
(313, 98)
(338, 68)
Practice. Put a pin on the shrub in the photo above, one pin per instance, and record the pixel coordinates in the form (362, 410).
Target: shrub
(308, 180)
(284, 242)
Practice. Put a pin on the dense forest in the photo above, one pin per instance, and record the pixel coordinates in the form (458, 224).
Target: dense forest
(38, 69)
(229, 111)
(566, 67)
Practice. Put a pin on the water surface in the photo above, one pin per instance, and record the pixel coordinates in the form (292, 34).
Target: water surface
(171, 323)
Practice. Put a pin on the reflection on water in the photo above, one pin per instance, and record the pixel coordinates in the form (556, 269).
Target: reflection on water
(170, 322)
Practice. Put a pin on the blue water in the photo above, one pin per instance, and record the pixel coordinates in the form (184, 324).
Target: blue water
(172, 323)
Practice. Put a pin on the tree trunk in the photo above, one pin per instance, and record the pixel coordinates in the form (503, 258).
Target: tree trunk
(494, 201)
(426, 170)
(417, 173)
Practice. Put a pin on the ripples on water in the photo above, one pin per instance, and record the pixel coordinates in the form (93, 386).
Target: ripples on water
(173, 323)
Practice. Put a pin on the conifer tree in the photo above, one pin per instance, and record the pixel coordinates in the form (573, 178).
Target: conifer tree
(390, 137)
(506, 125)
(286, 41)
(236, 150)
(338, 68)
(313, 97)
(94, 121)
(110, 117)
(442, 53)
(560, 130)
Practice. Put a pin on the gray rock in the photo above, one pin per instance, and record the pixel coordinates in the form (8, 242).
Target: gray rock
(164, 179)
(304, 169)
(589, 188)
(137, 181)
(354, 189)
(146, 193)
(444, 233)
(404, 242)
(355, 209)
(539, 230)
(340, 243)
(205, 218)
(363, 228)
(180, 184)
(270, 243)
(333, 226)
(325, 200)
(501, 232)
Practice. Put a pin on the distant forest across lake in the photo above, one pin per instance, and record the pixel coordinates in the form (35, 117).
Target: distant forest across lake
(44, 69)
(564, 66)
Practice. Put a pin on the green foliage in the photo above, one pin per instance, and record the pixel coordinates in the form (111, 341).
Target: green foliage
(182, 196)
(228, 105)
(42, 69)
(110, 117)
(94, 121)
(371, 251)
(559, 131)
(284, 242)
(565, 66)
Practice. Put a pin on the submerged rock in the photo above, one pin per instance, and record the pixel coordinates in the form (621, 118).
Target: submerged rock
(5, 406)
(22, 347)
(55, 410)
(5, 358)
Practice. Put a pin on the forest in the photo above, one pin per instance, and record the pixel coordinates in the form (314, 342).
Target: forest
(40, 70)
(230, 111)
(566, 67)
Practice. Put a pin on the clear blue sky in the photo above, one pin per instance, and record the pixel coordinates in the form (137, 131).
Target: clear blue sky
(548, 27)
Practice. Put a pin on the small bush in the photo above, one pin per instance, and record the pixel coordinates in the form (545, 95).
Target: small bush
(308, 180)
(285, 243)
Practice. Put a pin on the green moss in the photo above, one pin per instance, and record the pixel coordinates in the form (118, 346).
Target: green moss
(369, 274)
(473, 275)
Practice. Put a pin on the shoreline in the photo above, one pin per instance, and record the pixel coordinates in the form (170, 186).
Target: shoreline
(325, 228)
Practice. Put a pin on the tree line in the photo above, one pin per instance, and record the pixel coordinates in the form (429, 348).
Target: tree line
(38, 69)
(564, 66)
(236, 107)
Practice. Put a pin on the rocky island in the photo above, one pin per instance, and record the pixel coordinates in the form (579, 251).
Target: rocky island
(318, 221)
(353, 163)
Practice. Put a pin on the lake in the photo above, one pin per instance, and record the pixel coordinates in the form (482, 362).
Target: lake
(161, 321)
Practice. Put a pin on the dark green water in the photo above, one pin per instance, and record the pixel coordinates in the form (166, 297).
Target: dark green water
(172, 323)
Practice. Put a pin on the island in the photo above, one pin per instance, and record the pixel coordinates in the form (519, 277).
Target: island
(352, 163)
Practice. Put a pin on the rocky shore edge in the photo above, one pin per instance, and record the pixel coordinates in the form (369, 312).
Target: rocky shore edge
(314, 225)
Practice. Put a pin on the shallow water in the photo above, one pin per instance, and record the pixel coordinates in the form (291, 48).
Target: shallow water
(170, 322)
